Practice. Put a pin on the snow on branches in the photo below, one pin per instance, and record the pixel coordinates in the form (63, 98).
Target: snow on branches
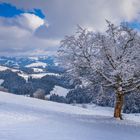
(113, 56)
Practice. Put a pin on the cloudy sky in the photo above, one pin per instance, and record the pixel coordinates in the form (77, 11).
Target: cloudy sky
(35, 27)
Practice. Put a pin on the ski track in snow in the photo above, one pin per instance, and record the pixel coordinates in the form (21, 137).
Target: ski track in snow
(24, 118)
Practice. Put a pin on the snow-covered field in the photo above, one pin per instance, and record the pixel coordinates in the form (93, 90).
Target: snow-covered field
(3, 68)
(1, 81)
(37, 64)
(26, 76)
(24, 118)
(36, 76)
(108, 111)
(57, 90)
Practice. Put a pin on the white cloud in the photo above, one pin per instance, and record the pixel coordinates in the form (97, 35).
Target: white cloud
(130, 9)
(17, 36)
(12, 32)
(30, 21)
(63, 16)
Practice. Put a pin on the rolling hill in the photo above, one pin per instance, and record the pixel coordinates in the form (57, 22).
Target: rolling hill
(24, 118)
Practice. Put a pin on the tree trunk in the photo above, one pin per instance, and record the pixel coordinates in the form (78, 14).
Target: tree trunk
(119, 105)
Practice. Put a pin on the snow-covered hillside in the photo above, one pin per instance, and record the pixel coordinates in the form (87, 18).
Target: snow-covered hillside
(37, 70)
(34, 61)
(23, 74)
(24, 118)
(37, 64)
(1, 81)
(3, 68)
(57, 90)
(37, 75)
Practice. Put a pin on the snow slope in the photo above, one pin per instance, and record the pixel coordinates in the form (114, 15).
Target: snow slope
(1, 81)
(36, 76)
(57, 90)
(3, 68)
(37, 70)
(108, 111)
(24, 118)
(36, 64)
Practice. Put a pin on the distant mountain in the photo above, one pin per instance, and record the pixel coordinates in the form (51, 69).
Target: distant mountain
(19, 62)
(32, 64)
(25, 75)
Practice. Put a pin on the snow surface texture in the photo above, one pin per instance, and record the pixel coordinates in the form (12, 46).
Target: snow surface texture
(24, 118)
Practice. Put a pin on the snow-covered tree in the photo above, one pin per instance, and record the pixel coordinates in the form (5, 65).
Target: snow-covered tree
(111, 58)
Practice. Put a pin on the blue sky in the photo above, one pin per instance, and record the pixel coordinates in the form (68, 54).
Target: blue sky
(36, 27)
(134, 25)
(8, 10)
